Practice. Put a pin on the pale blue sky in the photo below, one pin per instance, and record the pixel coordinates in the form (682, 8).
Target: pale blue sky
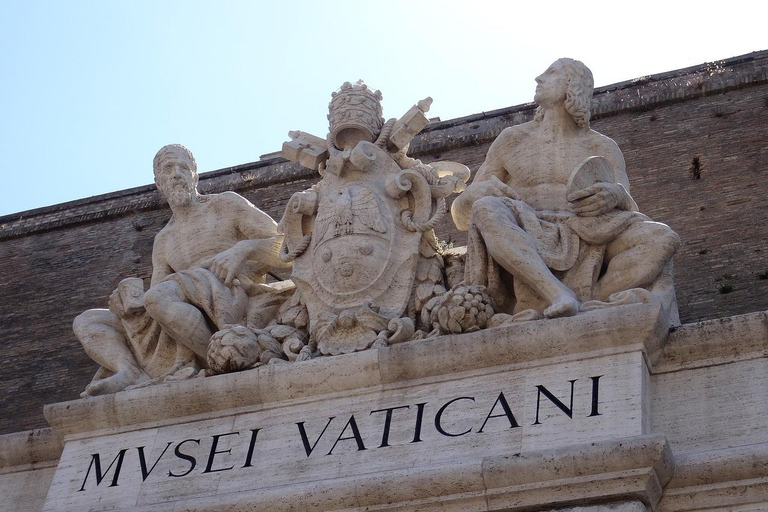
(90, 90)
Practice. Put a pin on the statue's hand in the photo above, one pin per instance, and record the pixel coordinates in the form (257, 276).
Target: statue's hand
(227, 265)
(597, 199)
(492, 187)
(124, 305)
(116, 303)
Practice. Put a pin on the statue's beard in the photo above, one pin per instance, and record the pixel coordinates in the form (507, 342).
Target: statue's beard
(180, 196)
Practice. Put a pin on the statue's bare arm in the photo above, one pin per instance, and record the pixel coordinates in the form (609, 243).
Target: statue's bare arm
(160, 267)
(260, 240)
(490, 180)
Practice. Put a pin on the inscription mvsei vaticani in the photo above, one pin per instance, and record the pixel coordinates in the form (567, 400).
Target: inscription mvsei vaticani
(192, 455)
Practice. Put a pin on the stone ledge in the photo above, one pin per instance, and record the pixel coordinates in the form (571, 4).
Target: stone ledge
(713, 342)
(636, 468)
(719, 478)
(621, 329)
(22, 451)
(623, 506)
(632, 469)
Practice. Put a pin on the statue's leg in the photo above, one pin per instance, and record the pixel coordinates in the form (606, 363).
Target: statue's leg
(103, 338)
(515, 250)
(185, 323)
(636, 257)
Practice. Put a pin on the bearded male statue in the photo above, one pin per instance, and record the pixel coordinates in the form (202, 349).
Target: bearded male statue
(209, 264)
(552, 227)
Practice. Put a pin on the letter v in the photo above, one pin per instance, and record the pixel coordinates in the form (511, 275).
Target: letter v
(143, 461)
(305, 440)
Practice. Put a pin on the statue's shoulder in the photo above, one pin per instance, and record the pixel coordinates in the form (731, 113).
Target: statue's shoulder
(518, 131)
(226, 196)
(600, 141)
(227, 199)
(513, 136)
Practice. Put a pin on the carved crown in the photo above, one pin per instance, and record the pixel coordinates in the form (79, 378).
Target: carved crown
(355, 107)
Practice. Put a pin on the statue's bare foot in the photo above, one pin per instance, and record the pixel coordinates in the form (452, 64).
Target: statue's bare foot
(563, 306)
(117, 382)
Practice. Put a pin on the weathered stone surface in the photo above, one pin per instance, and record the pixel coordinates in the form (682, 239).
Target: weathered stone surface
(565, 414)
(364, 253)
(563, 393)
(729, 478)
(209, 264)
(626, 506)
(27, 464)
(662, 122)
(552, 227)
(639, 328)
(710, 384)
(502, 468)
(725, 340)
(280, 459)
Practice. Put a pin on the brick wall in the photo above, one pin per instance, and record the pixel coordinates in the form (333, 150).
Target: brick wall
(58, 261)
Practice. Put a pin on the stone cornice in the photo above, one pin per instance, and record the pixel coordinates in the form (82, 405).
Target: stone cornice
(719, 341)
(718, 479)
(31, 449)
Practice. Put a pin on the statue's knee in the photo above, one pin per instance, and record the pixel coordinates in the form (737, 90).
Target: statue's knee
(92, 322)
(486, 210)
(81, 323)
(160, 297)
(674, 239)
(85, 321)
(663, 236)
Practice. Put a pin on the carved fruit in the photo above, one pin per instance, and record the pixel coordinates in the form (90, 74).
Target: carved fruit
(239, 348)
(464, 308)
(233, 349)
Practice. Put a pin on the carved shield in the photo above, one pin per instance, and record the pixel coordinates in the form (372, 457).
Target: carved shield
(360, 252)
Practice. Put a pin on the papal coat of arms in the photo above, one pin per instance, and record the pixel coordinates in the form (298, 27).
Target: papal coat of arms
(361, 241)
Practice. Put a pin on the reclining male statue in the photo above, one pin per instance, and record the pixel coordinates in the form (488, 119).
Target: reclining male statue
(209, 263)
(553, 228)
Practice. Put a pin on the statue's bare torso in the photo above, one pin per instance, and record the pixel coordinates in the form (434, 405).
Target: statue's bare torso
(537, 164)
(211, 227)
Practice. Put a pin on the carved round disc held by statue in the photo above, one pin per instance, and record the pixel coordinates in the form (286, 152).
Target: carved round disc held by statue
(594, 169)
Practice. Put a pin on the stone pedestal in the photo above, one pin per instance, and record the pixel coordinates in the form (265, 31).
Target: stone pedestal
(513, 418)
(658, 422)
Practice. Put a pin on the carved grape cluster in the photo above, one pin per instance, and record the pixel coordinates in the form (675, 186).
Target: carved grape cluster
(233, 349)
(464, 308)
(239, 348)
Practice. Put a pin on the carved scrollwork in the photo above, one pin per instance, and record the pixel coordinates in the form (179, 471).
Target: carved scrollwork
(301, 205)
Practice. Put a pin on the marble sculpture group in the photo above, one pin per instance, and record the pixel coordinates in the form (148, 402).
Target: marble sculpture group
(553, 231)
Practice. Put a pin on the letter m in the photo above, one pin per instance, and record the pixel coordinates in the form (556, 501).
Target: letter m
(96, 464)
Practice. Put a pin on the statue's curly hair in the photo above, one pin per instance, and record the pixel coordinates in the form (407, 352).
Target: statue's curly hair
(170, 149)
(578, 94)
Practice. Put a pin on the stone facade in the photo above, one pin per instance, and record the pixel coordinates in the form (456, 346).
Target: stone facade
(603, 412)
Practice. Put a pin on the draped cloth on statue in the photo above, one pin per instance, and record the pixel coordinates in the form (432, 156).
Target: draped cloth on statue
(155, 349)
(246, 303)
(571, 246)
(222, 304)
